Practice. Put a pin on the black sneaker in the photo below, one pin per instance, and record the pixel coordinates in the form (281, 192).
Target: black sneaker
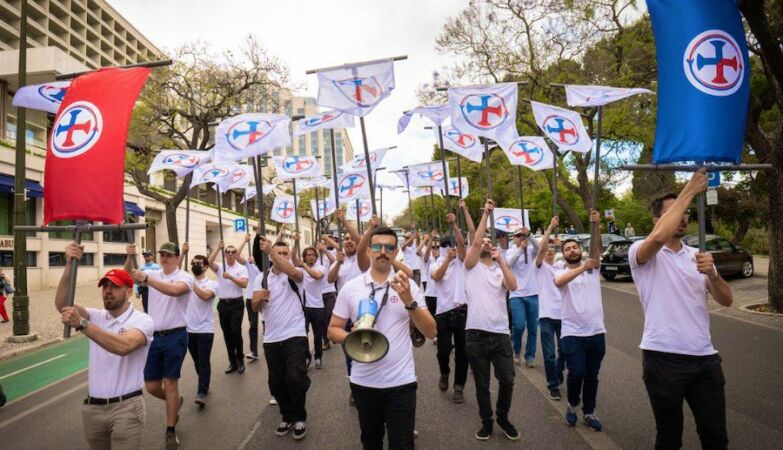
(172, 443)
(241, 368)
(284, 428)
(554, 394)
(485, 432)
(300, 430)
(459, 395)
(508, 429)
(231, 368)
(443, 384)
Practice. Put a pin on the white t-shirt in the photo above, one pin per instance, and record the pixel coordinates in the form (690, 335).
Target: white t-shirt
(283, 315)
(229, 289)
(550, 302)
(169, 311)
(312, 289)
(523, 272)
(324, 262)
(450, 288)
(432, 289)
(252, 273)
(410, 258)
(674, 298)
(487, 309)
(348, 271)
(582, 307)
(200, 315)
(396, 368)
(110, 375)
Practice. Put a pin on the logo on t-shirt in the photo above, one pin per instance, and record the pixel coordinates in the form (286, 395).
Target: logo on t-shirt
(122, 331)
(394, 298)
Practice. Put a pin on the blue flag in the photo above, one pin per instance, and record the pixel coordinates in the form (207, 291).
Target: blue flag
(703, 80)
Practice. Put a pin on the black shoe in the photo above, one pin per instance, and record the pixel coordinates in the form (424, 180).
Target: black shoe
(443, 384)
(231, 368)
(241, 368)
(172, 443)
(201, 400)
(508, 429)
(459, 395)
(554, 394)
(284, 428)
(300, 430)
(351, 401)
(485, 432)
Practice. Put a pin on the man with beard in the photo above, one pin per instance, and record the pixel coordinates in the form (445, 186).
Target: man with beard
(583, 328)
(119, 339)
(385, 390)
(201, 323)
(487, 335)
(232, 279)
(312, 298)
(285, 338)
(448, 275)
(679, 361)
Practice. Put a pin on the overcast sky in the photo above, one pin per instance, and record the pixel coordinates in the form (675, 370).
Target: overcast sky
(311, 34)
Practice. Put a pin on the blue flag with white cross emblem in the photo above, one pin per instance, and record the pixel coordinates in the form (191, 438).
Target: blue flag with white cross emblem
(703, 80)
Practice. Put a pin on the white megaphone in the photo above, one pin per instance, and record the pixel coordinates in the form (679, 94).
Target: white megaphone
(366, 344)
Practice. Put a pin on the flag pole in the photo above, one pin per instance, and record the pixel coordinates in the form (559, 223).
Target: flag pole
(220, 227)
(336, 188)
(260, 201)
(381, 203)
(369, 166)
(554, 181)
(489, 191)
(317, 216)
(296, 207)
(433, 219)
(247, 230)
(159, 63)
(410, 202)
(187, 227)
(358, 218)
(459, 184)
(596, 245)
(445, 170)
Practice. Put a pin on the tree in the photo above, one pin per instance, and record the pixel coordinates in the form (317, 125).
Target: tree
(179, 104)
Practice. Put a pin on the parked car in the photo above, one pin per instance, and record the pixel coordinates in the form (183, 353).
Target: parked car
(729, 259)
(614, 261)
(606, 239)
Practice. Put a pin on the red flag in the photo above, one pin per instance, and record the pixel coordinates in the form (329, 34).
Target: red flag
(85, 161)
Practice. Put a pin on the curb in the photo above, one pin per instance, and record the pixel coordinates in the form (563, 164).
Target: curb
(746, 308)
(28, 349)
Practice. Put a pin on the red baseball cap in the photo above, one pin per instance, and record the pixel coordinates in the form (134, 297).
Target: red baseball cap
(118, 277)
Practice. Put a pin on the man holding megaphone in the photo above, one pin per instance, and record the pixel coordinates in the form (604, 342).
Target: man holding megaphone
(381, 305)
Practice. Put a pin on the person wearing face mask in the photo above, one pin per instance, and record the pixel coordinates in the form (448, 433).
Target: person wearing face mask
(201, 324)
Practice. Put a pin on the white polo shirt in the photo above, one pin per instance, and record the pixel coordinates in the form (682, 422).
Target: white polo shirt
(166, 310)
(252, 273)
(527, 284)
(110, 375)
(450, 288)
(550, 302)
(410, 258)
(486, 295)
(582, 307)
(312, 289)
(283, 315)
(348, 271)
(396, 368)
(200, 315)
(674, 298)
(229, 289)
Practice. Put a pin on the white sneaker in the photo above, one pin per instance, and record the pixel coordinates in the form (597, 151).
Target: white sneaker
(272, 401)
(300, 431)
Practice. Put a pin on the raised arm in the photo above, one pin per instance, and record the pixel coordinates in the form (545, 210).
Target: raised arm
(130, 250)
(184, 251)
(213, 255)
(73, 252)
(544, 246)
(509, 280)
(595, 236)
(362, 258)
(295, 252)
(474, 251)
(459, 240)
(401, 266)
(347, 225)
(241, 259)
(281, 263)
(569, 275)
(468, 219)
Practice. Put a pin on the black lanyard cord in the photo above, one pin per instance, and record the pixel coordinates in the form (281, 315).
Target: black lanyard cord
(383, 301)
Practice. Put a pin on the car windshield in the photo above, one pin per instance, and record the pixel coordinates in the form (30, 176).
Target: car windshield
(619, 248)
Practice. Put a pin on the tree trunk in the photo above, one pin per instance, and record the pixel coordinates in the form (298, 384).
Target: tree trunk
(775, 230)
(568, 209)
(171, 221)
(742, 230)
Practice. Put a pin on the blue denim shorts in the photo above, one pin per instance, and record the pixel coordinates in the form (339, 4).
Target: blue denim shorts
(166, 356)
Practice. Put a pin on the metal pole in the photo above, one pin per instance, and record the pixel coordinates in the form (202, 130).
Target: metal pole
(597, 244)
(358, 220)
(700, 216)
(247, 230)
(220, 227)
(261, 213)
(381, 204)
(317, 216)
(489, 192)
(159, 63)
(348, 66)
(554, 182)
(445, 170)
(296, 209)
(459, 184)
(367, 162)
(410, 202)
(21, 302)
(72, 281)
(187, 228)
(336, 188)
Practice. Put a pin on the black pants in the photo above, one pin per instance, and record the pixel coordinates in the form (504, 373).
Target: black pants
(145, 296)
(252, 332)
(484, 349)
(392, 409)
(200, 348)
(330, 298)
(288, 380)
(230, 312)
(451, 324)
(315, 317)
(432, 304)
(699, 380)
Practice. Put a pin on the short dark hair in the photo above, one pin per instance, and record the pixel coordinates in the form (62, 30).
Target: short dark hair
(280, 244)
(563, 244)
(657, 204)
(203, 259)
(384, 231)
(309, 248)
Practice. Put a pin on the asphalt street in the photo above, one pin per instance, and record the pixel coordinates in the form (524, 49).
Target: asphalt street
(238, 413)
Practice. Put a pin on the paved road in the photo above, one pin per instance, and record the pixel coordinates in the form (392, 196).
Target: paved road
(238, 412)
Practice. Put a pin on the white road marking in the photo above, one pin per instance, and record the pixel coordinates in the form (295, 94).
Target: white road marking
(31, 367)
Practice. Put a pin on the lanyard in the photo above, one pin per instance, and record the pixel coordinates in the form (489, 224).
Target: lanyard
(383, 301)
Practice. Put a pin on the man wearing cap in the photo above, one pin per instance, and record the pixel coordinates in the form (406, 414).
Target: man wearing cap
(149, 264)
(232, 279)
(168, 302)
(119, 340)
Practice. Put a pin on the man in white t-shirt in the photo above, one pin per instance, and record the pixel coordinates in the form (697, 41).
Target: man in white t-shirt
(232, 278)
(168, 301)
(312, 297)
(487, 335)
(384, 390)
(119, 340)
(448, 276)
(201, 324)
(524, 301)
(430, 252)
(252, 317)
(583, 331)
(285, 338)
(409, 255)
(327, 249)
(549, 311)
(679, 361)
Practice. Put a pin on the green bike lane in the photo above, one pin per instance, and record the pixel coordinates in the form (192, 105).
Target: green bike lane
(32, 372)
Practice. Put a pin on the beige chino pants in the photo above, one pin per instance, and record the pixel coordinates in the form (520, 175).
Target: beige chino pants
(115, 426)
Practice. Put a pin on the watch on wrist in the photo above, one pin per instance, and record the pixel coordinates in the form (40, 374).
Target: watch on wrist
(413, 306)
(84, 323)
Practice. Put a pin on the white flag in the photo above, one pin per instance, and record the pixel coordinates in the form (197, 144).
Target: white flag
(358, 163)
(290, 167)
(388, 187)
(318, 182)
(283, 209)
(328, 119)
(454, 187)
(364, 210)
(436, 113)
(247, 135)
(325, 207)
(351, 186)
(489, 111)
(403, 176)
(43, 97)
(427, 174)
(219, 173)
(510, 219)
(529, 151)
(181, 162)
(240, 177)
(580, 95)
(564, 127)
(417, 192)
(250, 192)
(463, 144)
(356, 89)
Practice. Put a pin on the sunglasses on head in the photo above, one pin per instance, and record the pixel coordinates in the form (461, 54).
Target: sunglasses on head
(388, 247)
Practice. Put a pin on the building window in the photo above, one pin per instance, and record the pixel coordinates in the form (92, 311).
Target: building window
(57, 259)
(117, 235)
(7, 259)
(300, 142)
(288, 107)
(314, 143)
(300, 111)
(7, 213)
(68, 235)
(114, 259)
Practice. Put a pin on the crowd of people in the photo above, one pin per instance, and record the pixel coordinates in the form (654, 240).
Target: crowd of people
(472, 291)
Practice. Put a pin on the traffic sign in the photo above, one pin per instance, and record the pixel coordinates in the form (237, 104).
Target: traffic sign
(240, 225)
(713, 179)
(712, 197)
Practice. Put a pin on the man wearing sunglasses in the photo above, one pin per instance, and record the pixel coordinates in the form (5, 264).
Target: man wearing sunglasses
(231, 307)
(524, 301)
(385, 390)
